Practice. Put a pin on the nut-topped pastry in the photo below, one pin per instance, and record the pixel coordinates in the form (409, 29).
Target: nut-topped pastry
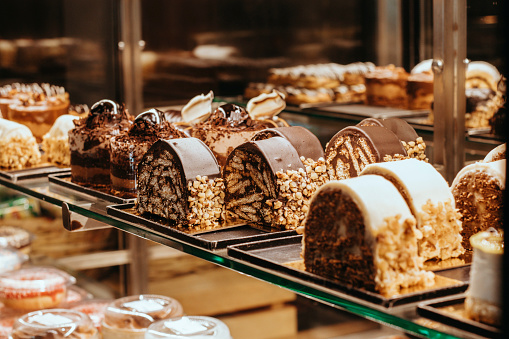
(128, 147)
(89, 142)
(55, 143)
(18, 147)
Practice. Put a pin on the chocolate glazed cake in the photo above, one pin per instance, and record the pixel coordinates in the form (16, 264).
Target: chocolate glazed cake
(89, 142)
(352, 148)
(180, 180)
(128, 147)
(360, 232)
(478, 190)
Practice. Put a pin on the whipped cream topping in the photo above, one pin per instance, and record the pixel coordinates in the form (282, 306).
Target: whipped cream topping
(10, 129)
(198, 109)
(62, 126)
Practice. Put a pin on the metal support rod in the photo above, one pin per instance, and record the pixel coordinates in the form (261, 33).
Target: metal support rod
(449, 67)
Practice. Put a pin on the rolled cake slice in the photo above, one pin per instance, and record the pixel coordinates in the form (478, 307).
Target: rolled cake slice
(498, 153)
(352, 148)
(180, 180)
(478, 191)
(18, 147)
(413, 143)
(431, 202)
(361, 232)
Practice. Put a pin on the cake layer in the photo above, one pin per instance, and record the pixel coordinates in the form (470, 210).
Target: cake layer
(18, 147)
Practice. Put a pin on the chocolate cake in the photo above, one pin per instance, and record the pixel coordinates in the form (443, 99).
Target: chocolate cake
(387, 86)
(128, 147)
(478, 191)
(268, 182)
(431, 202)
(179, 180)
(352, 148)
(360, 232)
(89, 142)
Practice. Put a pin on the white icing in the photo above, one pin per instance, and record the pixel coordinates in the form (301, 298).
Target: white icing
(10, 129)
(495, 152)
(144, 305)
(421, 67)
(62, 126)
(198, 109)
(495, 169)
(475, 68)
(49, 319)
(266, 106)
(184, 326)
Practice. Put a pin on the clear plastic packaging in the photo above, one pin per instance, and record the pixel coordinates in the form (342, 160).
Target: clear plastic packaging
(94, 308)
(11, 259)
(54, 324)
(34, 288)
(189, 327)
(76, 294)
(129, 317)
(15, 237)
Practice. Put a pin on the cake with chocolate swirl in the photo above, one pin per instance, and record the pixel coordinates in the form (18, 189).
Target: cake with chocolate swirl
(89, 142)
(128, 147)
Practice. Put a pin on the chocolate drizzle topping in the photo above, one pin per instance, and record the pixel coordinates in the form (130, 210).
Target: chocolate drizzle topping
(147, 122)
(229, 115)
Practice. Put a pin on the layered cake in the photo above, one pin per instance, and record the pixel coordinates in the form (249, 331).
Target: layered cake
(55, 143)
(15, 237)
(360, 232)
(498, 153)
(34, 288)
(128, 147)
(18, 147)
(54, 324)
(430, 200)
(352, 148)
(189, 327)
(420, 90)
(387, 86)
(268, 182)
(484, 298)
(89, 142)
(413, 144)
(129, 317)
(180, 181)
(36, 106)
(478, 191)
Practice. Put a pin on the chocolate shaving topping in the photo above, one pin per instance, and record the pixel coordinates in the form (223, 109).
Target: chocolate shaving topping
(230, 115)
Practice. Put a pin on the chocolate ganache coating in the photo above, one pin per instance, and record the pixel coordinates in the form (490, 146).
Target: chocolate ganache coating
(304, 141)
(400, 127)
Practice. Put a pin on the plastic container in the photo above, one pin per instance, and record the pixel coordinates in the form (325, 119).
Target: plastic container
(94, 308)
(34, 288)
(11, 259)
(189, 327)
(129, 317)
(54, 323)
(16, 237)
(76, 294)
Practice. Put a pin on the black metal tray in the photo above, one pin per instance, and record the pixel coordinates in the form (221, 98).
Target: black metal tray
(365, 111)
(283, 255)
(214, 239)
(64, 180)
(451, 312)
(32, 172)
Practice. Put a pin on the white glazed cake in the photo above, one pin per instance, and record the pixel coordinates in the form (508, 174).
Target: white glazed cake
(498, 153)
(361, 232)
(431, 202)
(55, 143)
(18, 147)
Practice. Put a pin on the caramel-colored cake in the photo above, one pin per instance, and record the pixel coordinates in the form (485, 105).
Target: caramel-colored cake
(128, 147)
(420, 90)
(431, 202)
(478, 190)
(360, 232)
(89, 143)
(55, 143)
(18, 147)
(387, 86)
(352, 148)
(179, 180)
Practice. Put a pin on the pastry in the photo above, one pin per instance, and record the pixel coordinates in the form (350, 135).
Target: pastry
(55, 143)
(420, 90)
(498, 153)
(18, 147)
(387, 86)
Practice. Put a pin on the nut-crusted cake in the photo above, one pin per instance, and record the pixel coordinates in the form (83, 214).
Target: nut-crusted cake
(89, 142)
(179, 180)
(478, 190)
(498, 153)
(18, 147)
(361, 232)
(431, 202)
(352, 148)
(128, 147)
(387, 86)
(55, 143)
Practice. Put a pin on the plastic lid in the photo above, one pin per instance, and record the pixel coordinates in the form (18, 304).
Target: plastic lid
(187, 327)
(94, 308)
(489, 241)
(14, 236)
(11, 259)
(139, 311)
(34, 280)
(76, 294)
(55, 323)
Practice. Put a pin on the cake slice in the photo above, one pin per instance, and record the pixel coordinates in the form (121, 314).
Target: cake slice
(18, 147)
(430, 200)
(498, 153)
(179, 180)
(361, 232)
(478, 191)
(55, 143)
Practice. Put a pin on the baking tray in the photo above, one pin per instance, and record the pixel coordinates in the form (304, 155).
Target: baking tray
(32, 172)
(452, 313)
(64, 180)
(214, 239)
(283, 255)
(365, 111)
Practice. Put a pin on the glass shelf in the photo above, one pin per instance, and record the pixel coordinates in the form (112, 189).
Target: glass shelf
(404, 317)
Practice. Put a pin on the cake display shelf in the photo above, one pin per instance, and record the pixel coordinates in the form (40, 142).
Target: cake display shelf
(94, 209)
(32, 172)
